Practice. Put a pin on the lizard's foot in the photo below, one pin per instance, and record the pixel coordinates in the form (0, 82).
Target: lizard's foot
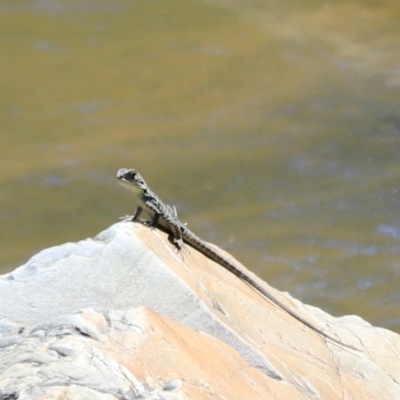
(131, 218)
(126, 218)
(182, 248)
(149, 224)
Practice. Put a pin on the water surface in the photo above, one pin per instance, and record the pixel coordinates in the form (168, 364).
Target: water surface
(273, 127)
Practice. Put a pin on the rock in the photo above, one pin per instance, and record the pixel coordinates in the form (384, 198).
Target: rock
(124, 316)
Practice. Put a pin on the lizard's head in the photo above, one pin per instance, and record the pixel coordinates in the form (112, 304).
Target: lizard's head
(130, 177)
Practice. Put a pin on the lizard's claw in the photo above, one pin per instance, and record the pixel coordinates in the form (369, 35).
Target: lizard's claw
(181, 246)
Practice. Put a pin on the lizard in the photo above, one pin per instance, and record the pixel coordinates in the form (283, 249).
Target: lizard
(156, 213)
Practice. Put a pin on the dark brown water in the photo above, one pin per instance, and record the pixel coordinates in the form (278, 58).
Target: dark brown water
(273, 126)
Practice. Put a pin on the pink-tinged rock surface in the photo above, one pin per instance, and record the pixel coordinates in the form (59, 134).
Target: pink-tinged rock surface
(123, 316)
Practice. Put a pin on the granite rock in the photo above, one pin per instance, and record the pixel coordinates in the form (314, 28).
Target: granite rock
(124, 316)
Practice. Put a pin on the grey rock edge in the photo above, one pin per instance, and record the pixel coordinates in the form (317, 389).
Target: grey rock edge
(123, 316)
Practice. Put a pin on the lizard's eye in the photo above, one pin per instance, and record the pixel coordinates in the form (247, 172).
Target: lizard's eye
(132, 176)
(137, 178)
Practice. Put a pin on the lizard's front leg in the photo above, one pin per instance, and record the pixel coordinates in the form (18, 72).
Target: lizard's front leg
(137, 213)
(153, 223)
(134, 217)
